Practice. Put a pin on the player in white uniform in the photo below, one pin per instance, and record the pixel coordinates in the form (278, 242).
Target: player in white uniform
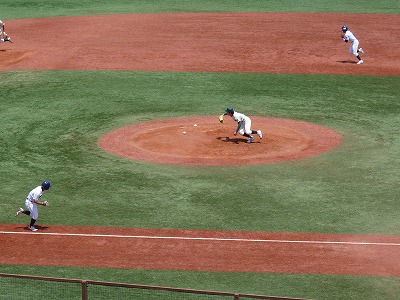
(244, 124)
(31, 203)
(349, 36)
(3, 35)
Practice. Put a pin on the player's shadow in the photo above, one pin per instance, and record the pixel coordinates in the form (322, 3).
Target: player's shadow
(347, 61)
(227, 139)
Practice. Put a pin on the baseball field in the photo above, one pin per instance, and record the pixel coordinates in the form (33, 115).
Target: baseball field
(117, 104)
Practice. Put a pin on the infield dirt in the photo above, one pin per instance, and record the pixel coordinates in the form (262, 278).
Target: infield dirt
(205, 42)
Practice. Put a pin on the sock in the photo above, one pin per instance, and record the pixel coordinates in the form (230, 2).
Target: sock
(32, 222)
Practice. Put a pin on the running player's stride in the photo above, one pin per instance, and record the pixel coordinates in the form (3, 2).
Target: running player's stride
(31, 202)
(3, 35)
(347, 36)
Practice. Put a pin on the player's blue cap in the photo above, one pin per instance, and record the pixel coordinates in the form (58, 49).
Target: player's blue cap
(46, 185)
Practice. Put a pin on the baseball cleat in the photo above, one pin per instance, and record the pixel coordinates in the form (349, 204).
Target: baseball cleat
(32, 228)
(251, 139)
(259, 133)
(20, 211)
(360, 62)
(8, 40)
(360, 50)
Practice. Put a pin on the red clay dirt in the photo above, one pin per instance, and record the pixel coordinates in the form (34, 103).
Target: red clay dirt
(227, 251)
(205, 42)
(307, 43)
(204, 141)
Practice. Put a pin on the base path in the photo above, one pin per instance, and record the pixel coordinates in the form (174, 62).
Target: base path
(195, 250)
(205, 42)
(205, 141)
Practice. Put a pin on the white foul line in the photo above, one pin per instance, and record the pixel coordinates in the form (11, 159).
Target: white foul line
(199, 238)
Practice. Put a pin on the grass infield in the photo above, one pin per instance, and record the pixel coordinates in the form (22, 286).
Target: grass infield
(52, 121)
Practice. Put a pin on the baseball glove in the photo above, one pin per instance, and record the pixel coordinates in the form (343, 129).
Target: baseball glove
(221, 118)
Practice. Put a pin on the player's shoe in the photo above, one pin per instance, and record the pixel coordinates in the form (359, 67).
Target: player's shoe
(251, 139)
(360, 62)
(32, 228)
(20, 211)
(361, 50)
(259, 133)
(7, 39)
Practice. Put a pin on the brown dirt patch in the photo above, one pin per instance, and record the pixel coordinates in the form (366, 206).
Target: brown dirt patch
(211, 42)
(205, 141)
(228, 251)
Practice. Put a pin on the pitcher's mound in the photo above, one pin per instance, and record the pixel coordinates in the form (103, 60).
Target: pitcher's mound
(205, 141)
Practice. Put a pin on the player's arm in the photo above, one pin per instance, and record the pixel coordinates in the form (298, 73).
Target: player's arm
(238, 127)
(45, 203)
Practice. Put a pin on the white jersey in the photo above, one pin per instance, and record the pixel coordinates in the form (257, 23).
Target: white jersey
(238, 117)
(244, 123)
(1, 31)
(349, 36)
(35, 194)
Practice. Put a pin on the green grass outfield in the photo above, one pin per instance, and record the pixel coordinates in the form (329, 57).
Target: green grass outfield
(51, 122)
(17, 9)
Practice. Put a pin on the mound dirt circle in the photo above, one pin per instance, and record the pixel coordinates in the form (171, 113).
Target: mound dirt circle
(205, 141)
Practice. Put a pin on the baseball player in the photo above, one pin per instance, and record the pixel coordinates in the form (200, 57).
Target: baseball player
(3, 35)
(244, 124)
(347, 36)
(31, 203)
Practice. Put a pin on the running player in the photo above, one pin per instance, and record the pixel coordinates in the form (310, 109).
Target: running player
(3, 35)
(31, 203)
(349, 36)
